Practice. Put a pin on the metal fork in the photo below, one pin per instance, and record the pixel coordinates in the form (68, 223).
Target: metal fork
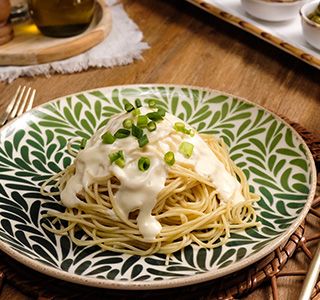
(21, 102)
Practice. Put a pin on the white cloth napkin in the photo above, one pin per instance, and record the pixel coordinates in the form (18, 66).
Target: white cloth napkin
(121, 47)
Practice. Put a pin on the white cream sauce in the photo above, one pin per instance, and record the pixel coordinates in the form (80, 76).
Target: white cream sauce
(139, 190)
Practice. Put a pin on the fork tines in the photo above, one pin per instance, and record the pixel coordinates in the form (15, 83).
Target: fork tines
(21, 102)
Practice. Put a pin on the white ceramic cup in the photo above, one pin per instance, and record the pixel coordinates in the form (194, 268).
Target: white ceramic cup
(310, 29)
(274, 11)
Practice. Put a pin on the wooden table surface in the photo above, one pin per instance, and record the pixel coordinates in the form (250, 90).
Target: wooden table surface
(189, 46)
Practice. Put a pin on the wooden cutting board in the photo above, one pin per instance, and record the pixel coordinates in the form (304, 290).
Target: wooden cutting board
(30, 47)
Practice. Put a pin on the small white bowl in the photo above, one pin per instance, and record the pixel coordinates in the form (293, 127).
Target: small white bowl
(273, 10)
(311, 29)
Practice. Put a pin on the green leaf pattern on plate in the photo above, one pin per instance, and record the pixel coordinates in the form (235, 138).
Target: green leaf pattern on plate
(271, 156)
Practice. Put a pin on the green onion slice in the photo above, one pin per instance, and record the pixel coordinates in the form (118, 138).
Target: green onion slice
(142, 121)
(116, 155)
(120, 162)
(152, 126)
(127, 123)
(186, 149)
(136, 112)
(108, 138)
(169, 158)
(144, 163)
(128, 107)
(138, 103)
(136, 131)
(143, 141)
(122, 133)
(155, 116)
(117, 158)
(179, 126)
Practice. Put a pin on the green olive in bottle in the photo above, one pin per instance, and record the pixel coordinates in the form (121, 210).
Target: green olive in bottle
(61, 18)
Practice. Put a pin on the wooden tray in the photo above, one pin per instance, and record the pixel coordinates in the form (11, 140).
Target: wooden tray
(30, 47)
(285, 35)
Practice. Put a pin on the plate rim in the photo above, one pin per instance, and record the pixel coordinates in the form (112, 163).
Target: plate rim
(184, 280)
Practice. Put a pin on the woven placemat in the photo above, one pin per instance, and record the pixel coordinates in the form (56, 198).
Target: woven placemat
(233, 286)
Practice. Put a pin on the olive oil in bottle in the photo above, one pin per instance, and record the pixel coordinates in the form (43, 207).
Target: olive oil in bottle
(62, 18)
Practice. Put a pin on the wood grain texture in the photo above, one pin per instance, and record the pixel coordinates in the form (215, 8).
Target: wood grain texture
(189, 46)
(31, 47)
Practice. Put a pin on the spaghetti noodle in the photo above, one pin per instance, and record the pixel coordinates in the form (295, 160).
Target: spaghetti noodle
(158, 198)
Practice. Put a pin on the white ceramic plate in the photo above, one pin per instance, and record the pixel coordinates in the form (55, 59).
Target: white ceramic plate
(275, 159)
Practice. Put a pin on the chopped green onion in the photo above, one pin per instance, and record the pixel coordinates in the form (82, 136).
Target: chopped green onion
(152, 103)
(186, 131)
(128, 107)
(117, 158)
(138, 103)
(179, 126)
(143, 141)
(161, 112)
(152, 126)
(154, 116)
(116, 155)
(108, 138)
(169, 158)
(186, 149)
(142, 121)
(136, 131)
(190, 131)
(122, 133)
(127, 123)
(136, 112)
(120, 162)
(143, 163)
